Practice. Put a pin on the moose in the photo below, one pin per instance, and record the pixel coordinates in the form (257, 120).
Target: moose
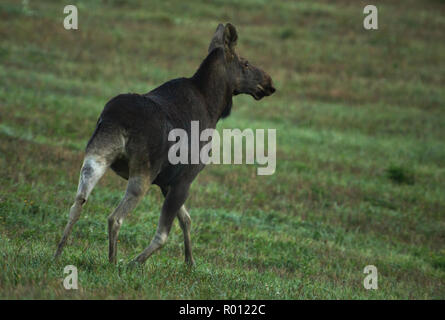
(131, 138)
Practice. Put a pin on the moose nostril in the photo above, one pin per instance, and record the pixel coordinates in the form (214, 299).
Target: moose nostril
(272, 90)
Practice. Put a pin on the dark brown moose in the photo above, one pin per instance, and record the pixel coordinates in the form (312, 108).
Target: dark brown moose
(131, 137)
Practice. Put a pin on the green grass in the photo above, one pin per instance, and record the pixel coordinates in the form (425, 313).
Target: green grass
(360, 176)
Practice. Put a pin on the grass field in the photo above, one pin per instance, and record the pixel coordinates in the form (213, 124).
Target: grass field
(360, 176)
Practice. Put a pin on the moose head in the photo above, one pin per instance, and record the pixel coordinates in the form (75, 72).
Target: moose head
(245, 77)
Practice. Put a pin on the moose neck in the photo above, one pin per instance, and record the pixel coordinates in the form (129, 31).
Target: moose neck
(212, 80)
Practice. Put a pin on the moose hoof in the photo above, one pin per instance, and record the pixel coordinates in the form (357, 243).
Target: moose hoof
(190, 262)
(135, 263)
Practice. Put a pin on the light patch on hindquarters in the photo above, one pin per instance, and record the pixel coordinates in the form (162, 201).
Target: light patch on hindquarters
(97, 164)
(93, 169)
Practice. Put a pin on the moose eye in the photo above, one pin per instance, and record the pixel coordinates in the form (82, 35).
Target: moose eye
(246, 64)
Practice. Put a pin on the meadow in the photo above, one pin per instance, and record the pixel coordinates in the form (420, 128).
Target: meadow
(360, 175)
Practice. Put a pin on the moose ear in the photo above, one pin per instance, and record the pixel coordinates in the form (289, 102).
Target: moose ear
(224, 37)
(217, 40)
(230, 38)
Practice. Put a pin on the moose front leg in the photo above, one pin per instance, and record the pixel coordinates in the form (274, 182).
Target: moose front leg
(174, 200)
(185, 223)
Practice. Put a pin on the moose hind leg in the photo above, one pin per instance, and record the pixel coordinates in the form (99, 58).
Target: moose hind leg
(136, 188)
(185, 222)
(93, 169)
